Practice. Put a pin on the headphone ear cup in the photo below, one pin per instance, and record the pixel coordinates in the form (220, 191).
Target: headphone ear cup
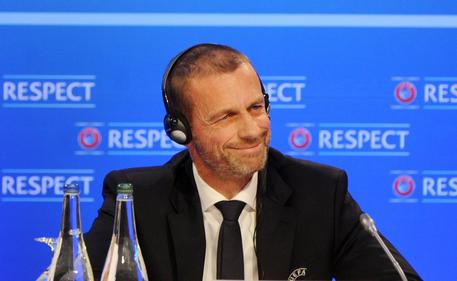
(177, 129)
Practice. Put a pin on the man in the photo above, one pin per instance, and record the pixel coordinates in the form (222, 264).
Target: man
(295, 218)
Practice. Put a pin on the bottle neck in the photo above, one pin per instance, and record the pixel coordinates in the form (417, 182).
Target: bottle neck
(71, 219)
(124, 221)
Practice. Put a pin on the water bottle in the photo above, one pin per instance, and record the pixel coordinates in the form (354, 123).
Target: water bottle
(70, 261)
(124, 261)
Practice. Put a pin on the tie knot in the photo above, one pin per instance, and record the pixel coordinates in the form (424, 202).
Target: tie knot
(230, 210)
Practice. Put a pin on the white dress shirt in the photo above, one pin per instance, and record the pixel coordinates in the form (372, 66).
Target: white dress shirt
(212, 219)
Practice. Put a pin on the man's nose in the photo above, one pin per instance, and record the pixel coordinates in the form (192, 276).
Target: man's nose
(249, 127)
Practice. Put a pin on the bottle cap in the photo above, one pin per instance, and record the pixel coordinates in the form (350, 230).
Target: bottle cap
(71, 188)
(125, 188)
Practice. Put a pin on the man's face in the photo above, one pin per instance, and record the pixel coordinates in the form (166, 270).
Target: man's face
(230, 127)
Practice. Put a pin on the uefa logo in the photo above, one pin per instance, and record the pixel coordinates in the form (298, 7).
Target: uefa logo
(89, 138)
(300, 138)
(403, 186)
(405, 92)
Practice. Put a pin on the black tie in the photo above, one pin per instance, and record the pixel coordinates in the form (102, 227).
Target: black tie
(230, 264)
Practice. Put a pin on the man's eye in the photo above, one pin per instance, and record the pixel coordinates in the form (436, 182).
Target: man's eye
(257, 106)
(227, 116)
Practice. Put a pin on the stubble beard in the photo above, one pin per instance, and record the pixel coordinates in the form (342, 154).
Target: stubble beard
(229, 164)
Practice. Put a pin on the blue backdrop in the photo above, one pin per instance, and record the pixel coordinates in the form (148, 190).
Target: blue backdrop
(365, 86)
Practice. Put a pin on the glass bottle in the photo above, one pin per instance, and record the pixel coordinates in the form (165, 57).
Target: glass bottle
(124, 260)
(70, 261)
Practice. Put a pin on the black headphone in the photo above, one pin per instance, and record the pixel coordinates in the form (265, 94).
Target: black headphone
(176, 124)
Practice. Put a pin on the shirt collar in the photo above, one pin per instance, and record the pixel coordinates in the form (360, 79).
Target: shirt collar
(209, 196)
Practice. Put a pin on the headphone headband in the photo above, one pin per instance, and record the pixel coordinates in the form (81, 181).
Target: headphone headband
(166, 77)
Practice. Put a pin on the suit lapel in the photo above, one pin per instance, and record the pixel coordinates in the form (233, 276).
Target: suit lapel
(276, 229)
(274, 235)
(186, 227)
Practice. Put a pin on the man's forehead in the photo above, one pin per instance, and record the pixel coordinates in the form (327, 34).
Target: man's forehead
(225, 91)
(229, 83)
(196, 81)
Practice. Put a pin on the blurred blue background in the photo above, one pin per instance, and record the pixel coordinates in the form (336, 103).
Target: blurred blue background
(367, 86)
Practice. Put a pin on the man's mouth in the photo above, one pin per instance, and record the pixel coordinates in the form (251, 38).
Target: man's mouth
(249, 147)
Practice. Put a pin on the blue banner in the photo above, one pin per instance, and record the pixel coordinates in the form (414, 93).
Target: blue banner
(366, 87)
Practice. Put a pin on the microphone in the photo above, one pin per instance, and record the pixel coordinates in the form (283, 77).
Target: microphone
(369, 226)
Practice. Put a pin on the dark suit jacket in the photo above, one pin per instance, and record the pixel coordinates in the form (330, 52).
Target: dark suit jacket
(306, 219)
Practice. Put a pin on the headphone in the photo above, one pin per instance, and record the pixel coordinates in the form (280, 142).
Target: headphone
(175, 123)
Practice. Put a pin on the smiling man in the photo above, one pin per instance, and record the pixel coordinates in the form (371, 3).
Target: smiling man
(231, 207)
